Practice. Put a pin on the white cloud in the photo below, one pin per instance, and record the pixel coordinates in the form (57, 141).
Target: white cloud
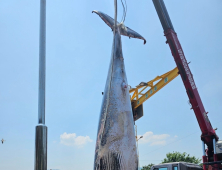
(70, 139)
(152, 139)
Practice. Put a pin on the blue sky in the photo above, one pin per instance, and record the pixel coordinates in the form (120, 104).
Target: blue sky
(78, 54)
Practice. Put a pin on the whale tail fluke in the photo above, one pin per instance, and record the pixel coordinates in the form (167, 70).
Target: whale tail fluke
(126, 31)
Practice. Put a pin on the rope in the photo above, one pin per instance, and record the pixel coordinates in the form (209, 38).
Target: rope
(124, 10)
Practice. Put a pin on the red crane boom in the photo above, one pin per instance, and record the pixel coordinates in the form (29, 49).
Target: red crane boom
(208, 135)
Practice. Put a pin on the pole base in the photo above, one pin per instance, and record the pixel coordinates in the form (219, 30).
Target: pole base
(41, 147)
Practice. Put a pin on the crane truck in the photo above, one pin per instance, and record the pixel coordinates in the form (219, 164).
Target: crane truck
(212, 156)
(177, 166)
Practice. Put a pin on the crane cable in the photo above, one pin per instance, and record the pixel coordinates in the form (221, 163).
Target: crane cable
(124, 11)
(115, 14)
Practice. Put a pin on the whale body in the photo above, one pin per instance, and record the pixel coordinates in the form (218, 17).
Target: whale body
(116, 142)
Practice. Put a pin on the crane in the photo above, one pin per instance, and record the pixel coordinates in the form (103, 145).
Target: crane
(212, 156)
(145, 90)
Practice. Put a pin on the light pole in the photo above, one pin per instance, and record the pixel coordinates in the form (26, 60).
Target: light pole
(138, 150)
(41, 128)
(137, 139)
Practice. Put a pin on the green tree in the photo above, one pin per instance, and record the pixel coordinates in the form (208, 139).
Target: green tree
(148, 167)
(180, 157)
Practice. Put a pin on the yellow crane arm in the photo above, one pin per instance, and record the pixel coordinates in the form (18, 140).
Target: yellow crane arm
(141, 93)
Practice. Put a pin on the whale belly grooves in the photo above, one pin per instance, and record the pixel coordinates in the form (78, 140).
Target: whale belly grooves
(113, 161)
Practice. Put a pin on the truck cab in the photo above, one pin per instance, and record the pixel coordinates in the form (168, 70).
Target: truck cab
(177, 166)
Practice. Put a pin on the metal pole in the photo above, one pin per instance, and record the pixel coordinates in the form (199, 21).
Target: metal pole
(41, 129)
(42, 39)
(204, 152)
(214, 143)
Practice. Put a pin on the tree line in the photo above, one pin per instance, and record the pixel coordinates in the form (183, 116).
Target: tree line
(176, 157)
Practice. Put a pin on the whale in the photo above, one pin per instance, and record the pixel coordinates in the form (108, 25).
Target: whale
(116, 143)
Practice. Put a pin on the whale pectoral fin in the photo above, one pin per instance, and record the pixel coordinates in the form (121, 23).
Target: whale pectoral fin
(126, 31)
(106, 18)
